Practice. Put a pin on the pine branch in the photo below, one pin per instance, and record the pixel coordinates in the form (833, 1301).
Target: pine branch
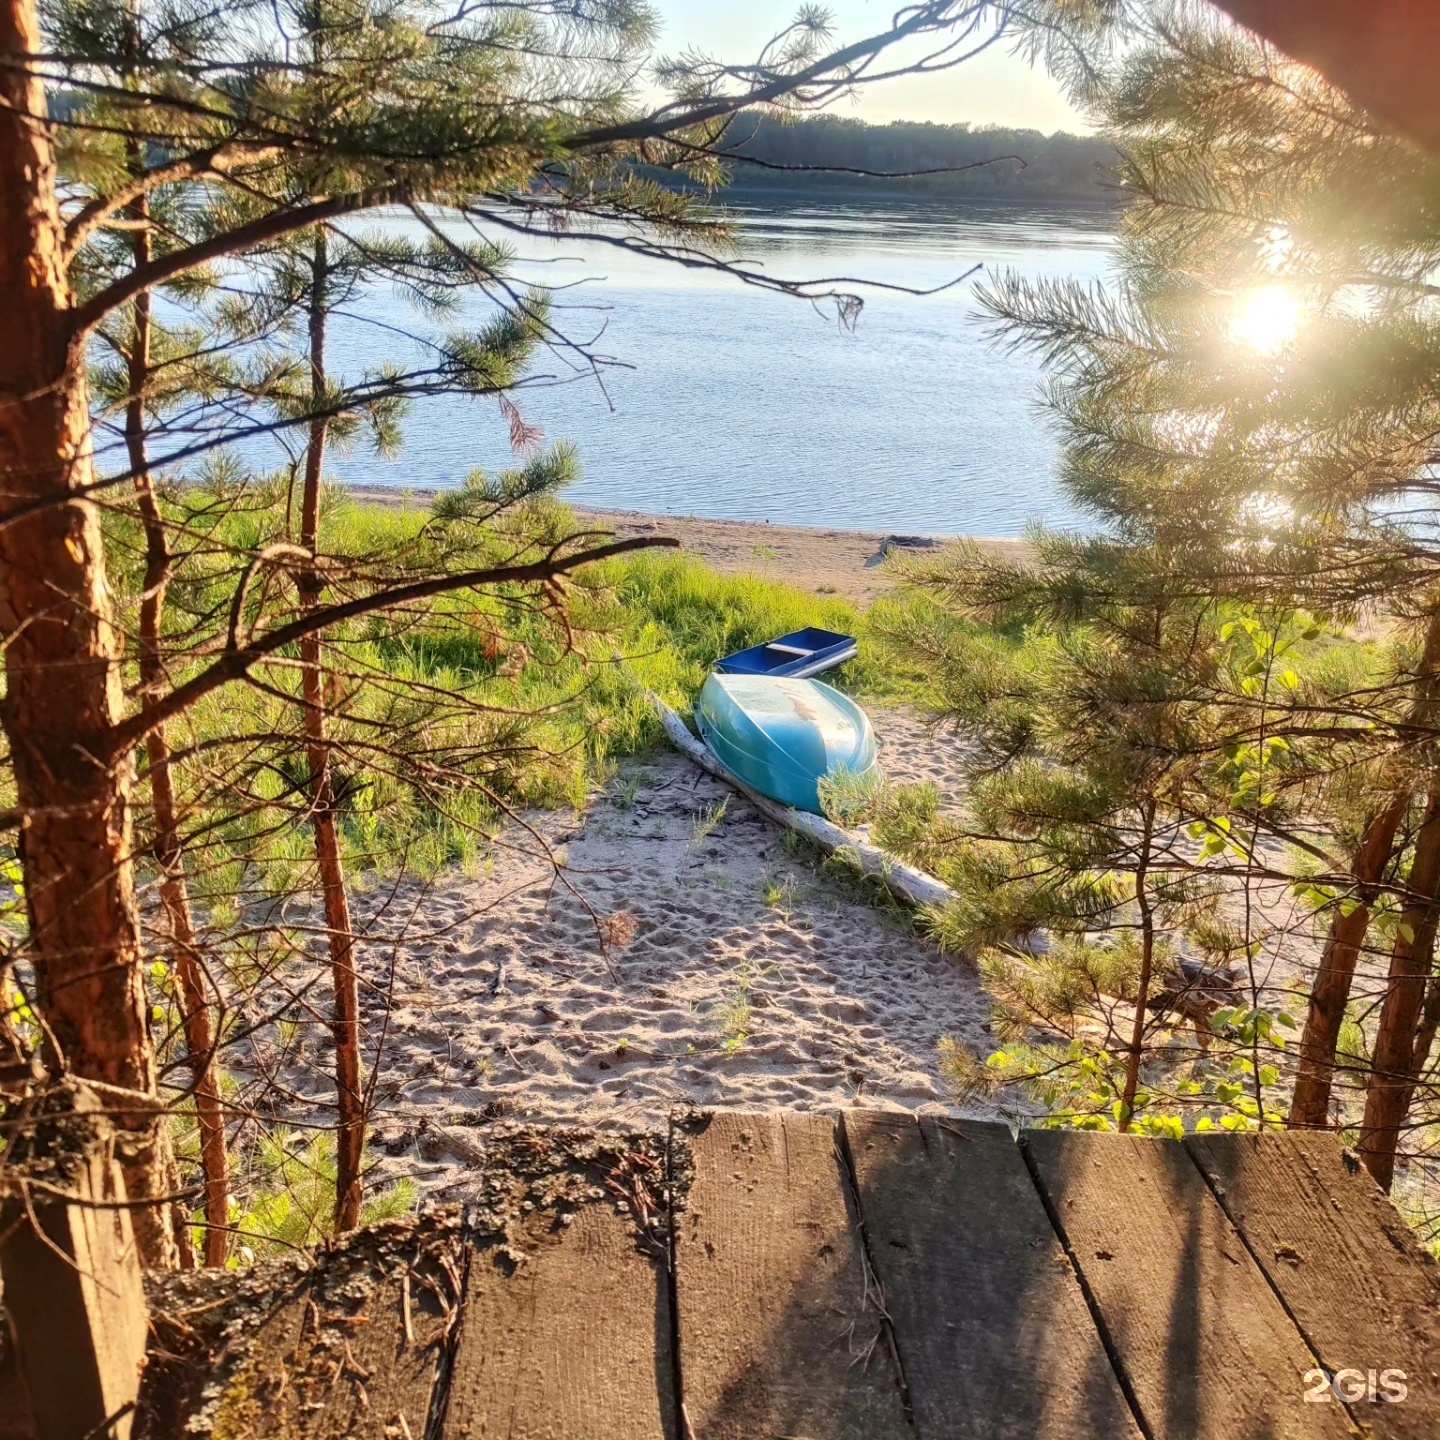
(274, 226)
(237, 662)
(195, 166)
(682, 115)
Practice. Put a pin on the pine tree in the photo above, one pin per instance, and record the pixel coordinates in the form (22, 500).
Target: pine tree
(1254, 400)
(1105, 801)
(502, 114)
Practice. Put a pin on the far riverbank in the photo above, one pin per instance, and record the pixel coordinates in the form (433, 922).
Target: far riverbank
(845, 563)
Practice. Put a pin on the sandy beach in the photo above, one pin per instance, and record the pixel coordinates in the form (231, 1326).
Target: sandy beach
(847, 563)
(668, 947)
(684, 954)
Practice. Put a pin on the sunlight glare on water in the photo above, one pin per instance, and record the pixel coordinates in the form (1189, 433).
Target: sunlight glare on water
(724, 401)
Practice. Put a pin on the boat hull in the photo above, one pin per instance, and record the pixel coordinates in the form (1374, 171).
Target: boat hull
(781, 736)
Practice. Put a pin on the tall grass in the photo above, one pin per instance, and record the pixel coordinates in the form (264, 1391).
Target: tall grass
(483, 691)
(653, 622)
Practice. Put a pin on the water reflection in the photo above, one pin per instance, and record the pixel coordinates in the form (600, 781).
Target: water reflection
(722, 400)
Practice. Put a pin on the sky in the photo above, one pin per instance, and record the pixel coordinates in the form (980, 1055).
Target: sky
(995, 88)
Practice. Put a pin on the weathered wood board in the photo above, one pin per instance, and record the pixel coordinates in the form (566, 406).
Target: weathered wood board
(1345, 1263)
(781, 1333)
(870, 1278)
(74, 1302)
(1208, 1350)
(355, 1352)
(573, 1343)
(994, 1335)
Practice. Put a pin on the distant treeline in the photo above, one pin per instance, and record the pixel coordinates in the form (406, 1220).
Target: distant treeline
(819, 150)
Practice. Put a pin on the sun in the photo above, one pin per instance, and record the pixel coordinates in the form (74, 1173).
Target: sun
(1266, 320)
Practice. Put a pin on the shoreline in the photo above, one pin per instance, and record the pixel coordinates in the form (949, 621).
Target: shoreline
(831, 563)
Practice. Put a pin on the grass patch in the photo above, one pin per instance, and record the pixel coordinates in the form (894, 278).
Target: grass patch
(649, 622)
(734, 1013)
(708, 822)
(541, 714)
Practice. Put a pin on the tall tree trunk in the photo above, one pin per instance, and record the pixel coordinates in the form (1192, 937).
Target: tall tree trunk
(1147, 966)
(345, 1024)
(1390, 1085)
(1330, 991)
(62, 663)
(1429, 1021)
(174, 893)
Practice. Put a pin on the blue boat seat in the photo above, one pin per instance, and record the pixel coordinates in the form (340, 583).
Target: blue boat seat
(800, 654)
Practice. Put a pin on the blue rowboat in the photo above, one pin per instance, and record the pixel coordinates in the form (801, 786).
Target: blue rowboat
(802, 653)
(780, 735)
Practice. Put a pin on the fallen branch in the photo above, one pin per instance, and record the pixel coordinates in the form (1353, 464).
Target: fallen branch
(907, 884)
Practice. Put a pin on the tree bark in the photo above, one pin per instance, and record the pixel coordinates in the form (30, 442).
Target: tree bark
(174, 892)
(1429, 1020)
(345, 1023)
(1147, 966)
(62, 664)
(1330, 991)
(1390, 1085)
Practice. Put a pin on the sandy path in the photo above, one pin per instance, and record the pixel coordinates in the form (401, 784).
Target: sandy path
(741, 974)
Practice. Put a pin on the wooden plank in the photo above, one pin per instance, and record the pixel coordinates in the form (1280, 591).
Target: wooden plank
(1209, 1351)
(354, 1352)
(1345, 1263)
(780, 1331)
(73, 1293)
(994, 1335)
(571, 1343)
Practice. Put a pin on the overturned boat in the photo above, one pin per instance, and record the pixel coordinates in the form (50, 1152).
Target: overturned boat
(782, 735)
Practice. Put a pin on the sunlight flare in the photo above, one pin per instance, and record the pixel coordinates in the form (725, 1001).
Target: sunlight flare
(1266, 509)
(1266, 320)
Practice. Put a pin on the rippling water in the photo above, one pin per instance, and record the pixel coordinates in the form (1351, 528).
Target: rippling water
(727, 402)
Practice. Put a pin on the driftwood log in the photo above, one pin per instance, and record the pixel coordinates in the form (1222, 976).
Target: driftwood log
(907, 884)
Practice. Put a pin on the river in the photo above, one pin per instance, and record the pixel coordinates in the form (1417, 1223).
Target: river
(725, 401)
